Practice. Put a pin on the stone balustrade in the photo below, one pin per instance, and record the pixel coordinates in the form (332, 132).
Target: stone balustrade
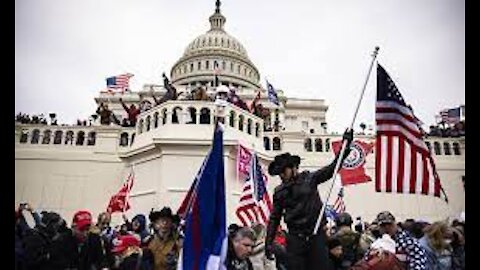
(198, 113)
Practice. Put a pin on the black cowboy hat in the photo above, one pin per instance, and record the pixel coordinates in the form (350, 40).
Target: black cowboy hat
(166, 212)
(280, 162)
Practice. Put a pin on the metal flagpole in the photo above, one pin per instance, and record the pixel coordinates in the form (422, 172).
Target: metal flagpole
(344, 143)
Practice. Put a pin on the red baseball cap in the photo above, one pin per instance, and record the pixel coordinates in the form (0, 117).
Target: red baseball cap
(123, 242)
(82, 219)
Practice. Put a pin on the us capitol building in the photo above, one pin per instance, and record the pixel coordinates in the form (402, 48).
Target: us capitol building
(68, 168)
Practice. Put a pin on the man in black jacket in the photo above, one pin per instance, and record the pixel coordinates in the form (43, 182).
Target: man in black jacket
(298, 202)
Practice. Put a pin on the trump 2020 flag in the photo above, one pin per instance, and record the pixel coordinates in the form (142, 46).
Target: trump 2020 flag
(205, 244)
(353, 171)
(272, 94)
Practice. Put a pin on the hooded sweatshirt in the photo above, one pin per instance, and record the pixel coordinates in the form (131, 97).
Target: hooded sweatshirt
(142, 230)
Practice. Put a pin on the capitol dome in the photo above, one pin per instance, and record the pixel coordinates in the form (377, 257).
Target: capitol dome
(215, 52)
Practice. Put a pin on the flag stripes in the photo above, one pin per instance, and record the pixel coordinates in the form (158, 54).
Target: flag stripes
(403, 161)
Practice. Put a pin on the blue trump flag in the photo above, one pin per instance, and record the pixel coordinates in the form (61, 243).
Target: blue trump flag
(272, 94)
(205, 244)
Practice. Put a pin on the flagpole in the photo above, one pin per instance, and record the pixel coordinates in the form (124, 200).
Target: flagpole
(344, 142)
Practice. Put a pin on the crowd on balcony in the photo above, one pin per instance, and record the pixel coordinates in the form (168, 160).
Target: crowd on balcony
(107, 117)
(34, 119)
(443, 129)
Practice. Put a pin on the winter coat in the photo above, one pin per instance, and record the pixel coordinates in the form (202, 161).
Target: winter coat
(299, 202)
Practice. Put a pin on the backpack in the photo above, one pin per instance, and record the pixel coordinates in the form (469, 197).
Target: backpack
(36, 246)
(389, 262)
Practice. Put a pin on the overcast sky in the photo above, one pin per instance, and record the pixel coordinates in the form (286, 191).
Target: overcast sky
(309, 48)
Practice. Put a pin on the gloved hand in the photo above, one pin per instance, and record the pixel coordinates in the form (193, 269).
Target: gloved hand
(348, 136)
(269, 252)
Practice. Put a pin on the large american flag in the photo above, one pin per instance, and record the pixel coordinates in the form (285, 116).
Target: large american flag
(403, 161)
(120, 82)
(255, 204)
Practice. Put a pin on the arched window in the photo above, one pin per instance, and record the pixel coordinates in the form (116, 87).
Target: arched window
(221, 42)
(238, 69)
(155, 120)
(327, 145)
(241, 118)
(205, 116)
(124, 139)
(207, 64)
(249, 126)
(47, 134)
(80, 138)
(266, 143)
(24, 136)
(133, 138)
(199, 65)
(58, 137)
(69, 137)
(257, 130)
(436, 147)
(164, 116)
(35, 136)
(232, 118)
(318, 145)
(446, 148)
(193, 115)
(224, 65)
(429, 146)
(308, 144)
(92, 138)
(177, 111)
(277, 144)
(140, 126)
(147, 123)
(231, 66)
(191, 67)
(456, 148)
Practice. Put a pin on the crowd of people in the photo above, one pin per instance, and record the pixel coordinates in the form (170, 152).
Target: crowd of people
(137, 244)
(444, 130)
(34, 119)
(107, 117)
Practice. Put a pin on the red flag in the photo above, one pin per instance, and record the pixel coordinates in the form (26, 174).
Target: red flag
(119, 202)
(353, 171)
(254, 102)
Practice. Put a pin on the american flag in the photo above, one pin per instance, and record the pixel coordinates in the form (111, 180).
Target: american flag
(255, 204)
(118, 82)
(120, 201)
(272, 94)
(339, 205)
(403, 161)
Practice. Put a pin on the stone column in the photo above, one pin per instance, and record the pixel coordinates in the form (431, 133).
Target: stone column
(169, 117)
